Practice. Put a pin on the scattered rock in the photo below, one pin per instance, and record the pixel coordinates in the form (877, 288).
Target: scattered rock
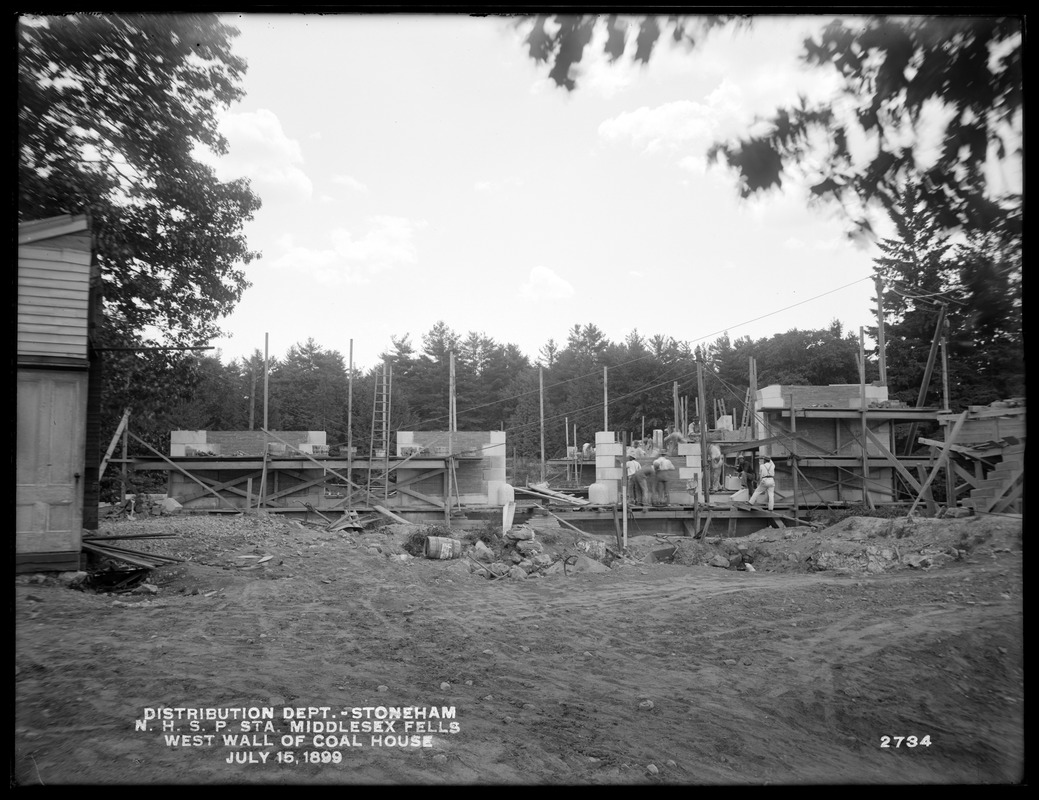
(652, 769)
(520, 534)
(445, 686)
(527, 547)
(719, 561)
(72, 579)
(517, 573)
(382, 687)
(646, 704)
(170, 506)
(482, 552)
(587, 564)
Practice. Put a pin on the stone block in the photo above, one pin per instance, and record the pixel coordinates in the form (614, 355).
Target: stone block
(604, 437)
(609, 449)
(605, 474)
(187, 437)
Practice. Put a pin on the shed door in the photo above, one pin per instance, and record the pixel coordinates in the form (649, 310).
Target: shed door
(51, 449)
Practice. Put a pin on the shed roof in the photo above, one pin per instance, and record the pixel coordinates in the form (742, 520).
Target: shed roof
(51, 227)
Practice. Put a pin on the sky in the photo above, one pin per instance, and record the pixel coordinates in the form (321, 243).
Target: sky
(422, 168)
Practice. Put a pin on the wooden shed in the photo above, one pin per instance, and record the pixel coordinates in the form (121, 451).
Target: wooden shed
(56, 283)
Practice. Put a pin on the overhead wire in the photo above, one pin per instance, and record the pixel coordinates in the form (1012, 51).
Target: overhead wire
(652, 354)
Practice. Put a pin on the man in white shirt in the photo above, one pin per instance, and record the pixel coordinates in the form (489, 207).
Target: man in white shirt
(665, 473)
(636, 482)
(766, 482)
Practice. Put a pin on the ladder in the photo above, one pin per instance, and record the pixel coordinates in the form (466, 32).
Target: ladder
(380, 441)
(745, 419)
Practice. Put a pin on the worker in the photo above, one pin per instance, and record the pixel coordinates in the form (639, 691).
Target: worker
(665, 473)
(743, 472)
(671, 442)
(717, 466)
(766, 483)
(637, 487)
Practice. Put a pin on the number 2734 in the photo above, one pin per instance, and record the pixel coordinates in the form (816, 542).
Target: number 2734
(908, 741)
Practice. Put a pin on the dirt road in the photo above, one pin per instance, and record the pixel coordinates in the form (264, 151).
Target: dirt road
(645, 673)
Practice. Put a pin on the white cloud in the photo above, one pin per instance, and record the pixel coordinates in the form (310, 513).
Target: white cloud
(352, 257)
(350, 182)
(260, 150)
(544, 284)
(670, 127)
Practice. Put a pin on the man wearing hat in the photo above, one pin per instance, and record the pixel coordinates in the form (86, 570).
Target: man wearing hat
(766, 483)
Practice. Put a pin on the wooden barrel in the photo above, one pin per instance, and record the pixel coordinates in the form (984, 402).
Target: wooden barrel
(442, 547)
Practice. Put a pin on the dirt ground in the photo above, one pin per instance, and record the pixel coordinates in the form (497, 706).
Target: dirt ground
(815, 664)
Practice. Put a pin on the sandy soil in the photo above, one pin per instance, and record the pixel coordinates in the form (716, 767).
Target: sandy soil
(808, 669)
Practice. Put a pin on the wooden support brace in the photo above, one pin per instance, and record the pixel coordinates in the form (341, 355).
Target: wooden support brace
(219, 497)
(893, 461)
(389, 514)
(941, 460)
(113, 443)
(219, 487)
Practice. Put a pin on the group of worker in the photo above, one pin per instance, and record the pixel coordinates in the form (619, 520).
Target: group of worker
(650, 484)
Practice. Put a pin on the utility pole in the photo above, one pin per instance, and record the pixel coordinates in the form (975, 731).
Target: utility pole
(862, 395)
(605, 403)
(541, 393)
(881, 352)
(704, 478)
(266, 377)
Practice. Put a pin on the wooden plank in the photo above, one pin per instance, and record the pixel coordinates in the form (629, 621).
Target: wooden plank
(561, 520)
(310, 458)
(890, 457)
(423, 497)
(765, 512)
(983, 413)
(968, 477)
(951, 439)
(543, 489)
(309, 507)
(399, 485)
(138, 439)
(390, 515)
(113, 443)
(135, 559)
(1006, 500)
(228, 486)
(542, 496)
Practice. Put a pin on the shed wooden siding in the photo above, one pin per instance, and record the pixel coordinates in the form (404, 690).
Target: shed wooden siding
(53, 302)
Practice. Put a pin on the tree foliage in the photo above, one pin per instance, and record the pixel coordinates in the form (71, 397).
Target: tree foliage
(111, 110)
(955, 80)
(977, 283)
(904, 80)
